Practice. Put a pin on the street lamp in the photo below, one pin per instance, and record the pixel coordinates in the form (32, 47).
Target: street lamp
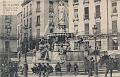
(8, 31)
(96, 65)
(25, 51)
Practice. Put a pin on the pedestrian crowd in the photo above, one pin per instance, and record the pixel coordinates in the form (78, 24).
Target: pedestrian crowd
(106, 60)
(42, 69)
(45, 70)
(9, 71)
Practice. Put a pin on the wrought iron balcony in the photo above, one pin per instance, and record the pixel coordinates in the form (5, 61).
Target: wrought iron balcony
(37, 9)
(30, 12)
(85, 1)
(4, 36)
(96, 0)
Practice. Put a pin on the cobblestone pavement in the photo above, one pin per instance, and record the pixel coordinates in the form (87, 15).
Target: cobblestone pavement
(116, 74)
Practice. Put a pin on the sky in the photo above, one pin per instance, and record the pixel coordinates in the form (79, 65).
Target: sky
(10, 7)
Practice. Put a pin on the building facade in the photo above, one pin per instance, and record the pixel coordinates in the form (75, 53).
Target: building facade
(8, 38)
(84, 14)
(42, 17)
(35, 16)
(39, 18)
(19, 30)
(33, 22)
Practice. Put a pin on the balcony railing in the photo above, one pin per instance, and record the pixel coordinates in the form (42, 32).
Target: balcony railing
(85, 1)
(76, 19)
(51, 10)
(115, 32)
(37, 9)
(37, 24)
(97, 16)
(86, 32)
(30, 12)
(96, 0)
(86, 17)
(4, 36)
(26, 14)
(114, 14)
(75, 3)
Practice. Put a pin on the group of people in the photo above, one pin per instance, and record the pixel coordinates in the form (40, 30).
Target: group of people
(13, 69)
(9, 70)
(111, 64)
(89, 65)
(42, 69)
(106, 60)
(45, 69)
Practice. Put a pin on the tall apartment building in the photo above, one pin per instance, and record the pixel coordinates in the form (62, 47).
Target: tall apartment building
(35, 16)
(41, 17)
(32, 23)
(105, 14)
(8, 32)
(19, 30)
(8, 38)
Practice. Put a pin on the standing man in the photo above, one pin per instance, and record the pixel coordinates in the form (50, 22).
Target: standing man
(39, 69)
(91, 66)
(49, 69)
(15, 70)
(109, 66)
(75, 68)
(68, 66)
(58, 68)
(61, 50)
(45, 53)
(43, 69)
(86, 64)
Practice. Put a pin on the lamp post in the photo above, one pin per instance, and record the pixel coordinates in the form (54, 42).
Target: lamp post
(96, 64)
(8, 31)
(25, 52)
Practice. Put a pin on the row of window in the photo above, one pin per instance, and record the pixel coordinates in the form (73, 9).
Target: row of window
(114, 26)
(38, 6)
(19, 18)
(86, 16)
(76, 1)
(76, 18)
(38, 33)
(86, 28)
(86, 11)
(97, 12)
(114, 22)
(28, 23)
(7, 22)
(27, 11)
(87, 45)
(51, 10)
(38, 19)
(113, 46)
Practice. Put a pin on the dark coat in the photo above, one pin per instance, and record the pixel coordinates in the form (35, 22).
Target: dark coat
(110, 64)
